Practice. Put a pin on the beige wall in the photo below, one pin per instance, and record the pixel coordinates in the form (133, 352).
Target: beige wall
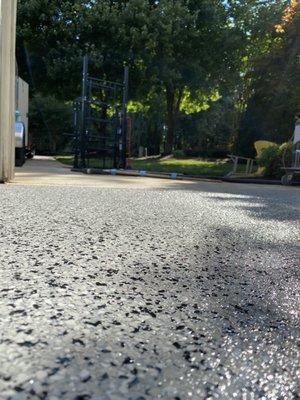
(7, 88)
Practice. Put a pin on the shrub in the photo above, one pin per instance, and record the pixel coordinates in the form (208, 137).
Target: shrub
(287, 154)
(179, 154)
(261, 145)
(273, 158)
(49, 120)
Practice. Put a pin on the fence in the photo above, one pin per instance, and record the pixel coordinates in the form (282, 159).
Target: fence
(247, 162)
(100, 122)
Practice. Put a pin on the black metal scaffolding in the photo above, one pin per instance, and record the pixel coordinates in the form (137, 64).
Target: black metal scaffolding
(100, 122)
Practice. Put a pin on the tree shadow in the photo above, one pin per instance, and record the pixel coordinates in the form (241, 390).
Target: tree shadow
(262, 202)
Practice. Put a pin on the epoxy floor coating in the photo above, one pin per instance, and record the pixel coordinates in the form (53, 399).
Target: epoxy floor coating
(188, 291)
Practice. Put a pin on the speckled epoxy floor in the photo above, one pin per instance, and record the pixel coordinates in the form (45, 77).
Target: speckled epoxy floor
(188, 292)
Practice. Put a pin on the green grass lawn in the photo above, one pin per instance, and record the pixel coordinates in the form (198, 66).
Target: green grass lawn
(183, 166)
(68, 160)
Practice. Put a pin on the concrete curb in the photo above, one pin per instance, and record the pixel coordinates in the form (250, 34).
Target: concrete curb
(253, 180)
(176, 176)
(145, 174)
(257, 181)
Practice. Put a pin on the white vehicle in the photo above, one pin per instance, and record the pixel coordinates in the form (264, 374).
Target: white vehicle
(23, 143)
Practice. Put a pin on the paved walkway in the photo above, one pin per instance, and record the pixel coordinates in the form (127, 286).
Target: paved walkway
(115, 288)
(43, 170)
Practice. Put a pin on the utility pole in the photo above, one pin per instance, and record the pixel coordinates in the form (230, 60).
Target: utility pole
(7, 88)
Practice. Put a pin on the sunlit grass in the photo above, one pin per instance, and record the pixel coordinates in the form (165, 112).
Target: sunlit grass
(191, 166)
(68, 160)
(185, 166)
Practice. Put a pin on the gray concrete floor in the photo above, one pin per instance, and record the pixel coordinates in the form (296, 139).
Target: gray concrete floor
(134, 288)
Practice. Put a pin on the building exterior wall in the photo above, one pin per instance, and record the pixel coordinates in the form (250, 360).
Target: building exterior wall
(7, 88)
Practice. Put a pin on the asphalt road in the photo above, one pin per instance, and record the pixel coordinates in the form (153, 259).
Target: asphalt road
(130, 290)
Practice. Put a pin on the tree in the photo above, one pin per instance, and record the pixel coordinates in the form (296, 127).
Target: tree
(208, 132)
(50, 122)
(273, 100)
(49, 45)
(191, 47)
(171, 46)
(176, 50)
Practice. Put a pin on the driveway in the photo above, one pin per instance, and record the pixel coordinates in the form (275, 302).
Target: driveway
(119, 288)
(43, 170)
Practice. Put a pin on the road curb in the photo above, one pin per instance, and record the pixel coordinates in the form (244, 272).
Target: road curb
(257, 181)
(249, 180)
(176, 176)
(145, 174)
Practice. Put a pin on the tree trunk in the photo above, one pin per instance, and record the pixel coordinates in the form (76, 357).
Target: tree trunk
(170, 118)
(174, 98)
(156, 137)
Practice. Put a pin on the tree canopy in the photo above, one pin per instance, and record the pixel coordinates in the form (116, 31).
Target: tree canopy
(184, 56)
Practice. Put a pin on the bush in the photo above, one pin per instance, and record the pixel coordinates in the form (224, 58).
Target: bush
(261, 145)
(273, 158)
(179, 154)
(287, 154)
(49, 120)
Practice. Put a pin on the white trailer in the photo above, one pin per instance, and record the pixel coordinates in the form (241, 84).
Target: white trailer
(23, 143)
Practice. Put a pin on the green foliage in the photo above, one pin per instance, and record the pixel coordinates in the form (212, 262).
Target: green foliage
(274, 158)
(186, 58)
(271, 99)
(49, 121)
(208, 132)
(178, 154)
(193, 49)
(270, 160)
(173, 48)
